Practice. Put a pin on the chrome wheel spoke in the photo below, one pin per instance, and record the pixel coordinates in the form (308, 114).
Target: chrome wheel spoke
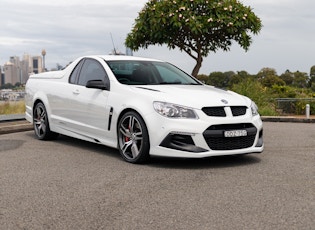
(37, 121)
(125, 146)
(130, 137)
(138, 136)
(43, 127)
(40, 121)
(134, 150)
(131, 123)
(125, 131)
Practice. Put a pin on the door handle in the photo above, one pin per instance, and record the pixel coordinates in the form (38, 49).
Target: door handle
(76, 92)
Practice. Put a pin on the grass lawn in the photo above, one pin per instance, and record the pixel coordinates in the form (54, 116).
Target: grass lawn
(12, 107)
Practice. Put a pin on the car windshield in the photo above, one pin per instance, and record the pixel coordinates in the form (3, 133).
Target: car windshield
(149, 73)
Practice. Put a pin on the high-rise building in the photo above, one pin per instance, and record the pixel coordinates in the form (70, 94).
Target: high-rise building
(19, 71)
(36, 64)
(11, 73)
(1, 77)
(24, 70)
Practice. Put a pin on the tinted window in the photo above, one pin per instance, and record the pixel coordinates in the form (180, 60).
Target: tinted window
(91, 70)
(75, 72)
(148, 73)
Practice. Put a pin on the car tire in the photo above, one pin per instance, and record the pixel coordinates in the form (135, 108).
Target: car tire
(41, 123)
(133, 138)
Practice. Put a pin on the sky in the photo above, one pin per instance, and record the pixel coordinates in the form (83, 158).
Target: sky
(68, 29)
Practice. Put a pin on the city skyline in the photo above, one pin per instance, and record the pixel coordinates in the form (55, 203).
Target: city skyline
(18, 70)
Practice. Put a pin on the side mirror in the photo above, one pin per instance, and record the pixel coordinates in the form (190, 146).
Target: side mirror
(97, 84)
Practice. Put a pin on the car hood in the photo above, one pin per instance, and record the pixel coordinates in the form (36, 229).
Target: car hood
(195, 96)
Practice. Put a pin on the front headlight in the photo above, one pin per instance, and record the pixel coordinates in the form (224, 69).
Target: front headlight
(174, 111)
(254, 109)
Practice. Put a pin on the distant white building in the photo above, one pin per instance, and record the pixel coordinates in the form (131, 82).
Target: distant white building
(11, 73)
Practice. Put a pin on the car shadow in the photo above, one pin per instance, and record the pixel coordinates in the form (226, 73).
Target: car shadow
(81, 144)
(9, 144)
(90, 146)
(164, 162)
(209, 162)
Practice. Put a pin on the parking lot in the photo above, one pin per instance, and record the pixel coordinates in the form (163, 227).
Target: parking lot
(71, 184)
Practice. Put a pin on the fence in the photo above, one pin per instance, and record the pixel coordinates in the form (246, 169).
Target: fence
(9, 95)
(294, 106)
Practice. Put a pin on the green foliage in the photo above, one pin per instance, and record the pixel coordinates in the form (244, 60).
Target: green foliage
(283, 91)
(220, 79)
(196, 27)
(287, 77)
(266, 72)
(269, 81)
(202, 77)
(258, 93)
(7, 86)
(252, 89)
(266, 88)
(300, 79)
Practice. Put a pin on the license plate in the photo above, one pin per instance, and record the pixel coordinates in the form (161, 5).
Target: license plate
(235, 133)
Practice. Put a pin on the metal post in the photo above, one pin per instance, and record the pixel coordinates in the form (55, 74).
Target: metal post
(307, 111)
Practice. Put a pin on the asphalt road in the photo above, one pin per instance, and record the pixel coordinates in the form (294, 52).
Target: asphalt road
(71, 184)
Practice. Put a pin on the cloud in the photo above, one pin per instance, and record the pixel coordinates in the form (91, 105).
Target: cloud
(73, 28)
(65, 28)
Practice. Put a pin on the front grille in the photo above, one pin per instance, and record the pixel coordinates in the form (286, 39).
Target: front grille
(214, 136)
(224, 143)
(214, 111)
(220, 112)
(238, 110)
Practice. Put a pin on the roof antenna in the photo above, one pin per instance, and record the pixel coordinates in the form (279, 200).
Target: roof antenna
(115, 52)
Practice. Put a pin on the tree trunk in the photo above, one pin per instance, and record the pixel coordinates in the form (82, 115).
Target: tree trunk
(197, 66)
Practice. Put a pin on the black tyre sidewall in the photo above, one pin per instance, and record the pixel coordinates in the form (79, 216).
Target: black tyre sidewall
(144, 153)
(48, 134)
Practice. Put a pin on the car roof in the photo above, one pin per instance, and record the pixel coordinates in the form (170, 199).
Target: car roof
(123, 57)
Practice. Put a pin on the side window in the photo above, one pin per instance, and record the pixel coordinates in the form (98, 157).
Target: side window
(91, 70)
(75, 73)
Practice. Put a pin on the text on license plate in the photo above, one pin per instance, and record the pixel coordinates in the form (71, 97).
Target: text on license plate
(235, 133)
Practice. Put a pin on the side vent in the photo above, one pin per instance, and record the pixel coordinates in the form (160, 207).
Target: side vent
(110, 117)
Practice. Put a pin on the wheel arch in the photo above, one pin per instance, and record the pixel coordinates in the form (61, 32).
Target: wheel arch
(146, 140)
(41, 98)
(126, 110)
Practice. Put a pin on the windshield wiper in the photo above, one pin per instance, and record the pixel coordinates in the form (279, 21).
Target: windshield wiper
(177, 83)
(191, 83)
(170, 83)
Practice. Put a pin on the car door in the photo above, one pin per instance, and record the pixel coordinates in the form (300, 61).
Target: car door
(89, 111)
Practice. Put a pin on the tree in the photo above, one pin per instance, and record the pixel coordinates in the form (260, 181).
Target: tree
(311, 82)
(196, 27)
(265, 72)
(220, 79)
(300, 79)
(271, 80)
(268, 77)
(287, 77)
(202, 77)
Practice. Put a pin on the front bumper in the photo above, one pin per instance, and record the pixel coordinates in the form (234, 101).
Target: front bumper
(205, 137)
